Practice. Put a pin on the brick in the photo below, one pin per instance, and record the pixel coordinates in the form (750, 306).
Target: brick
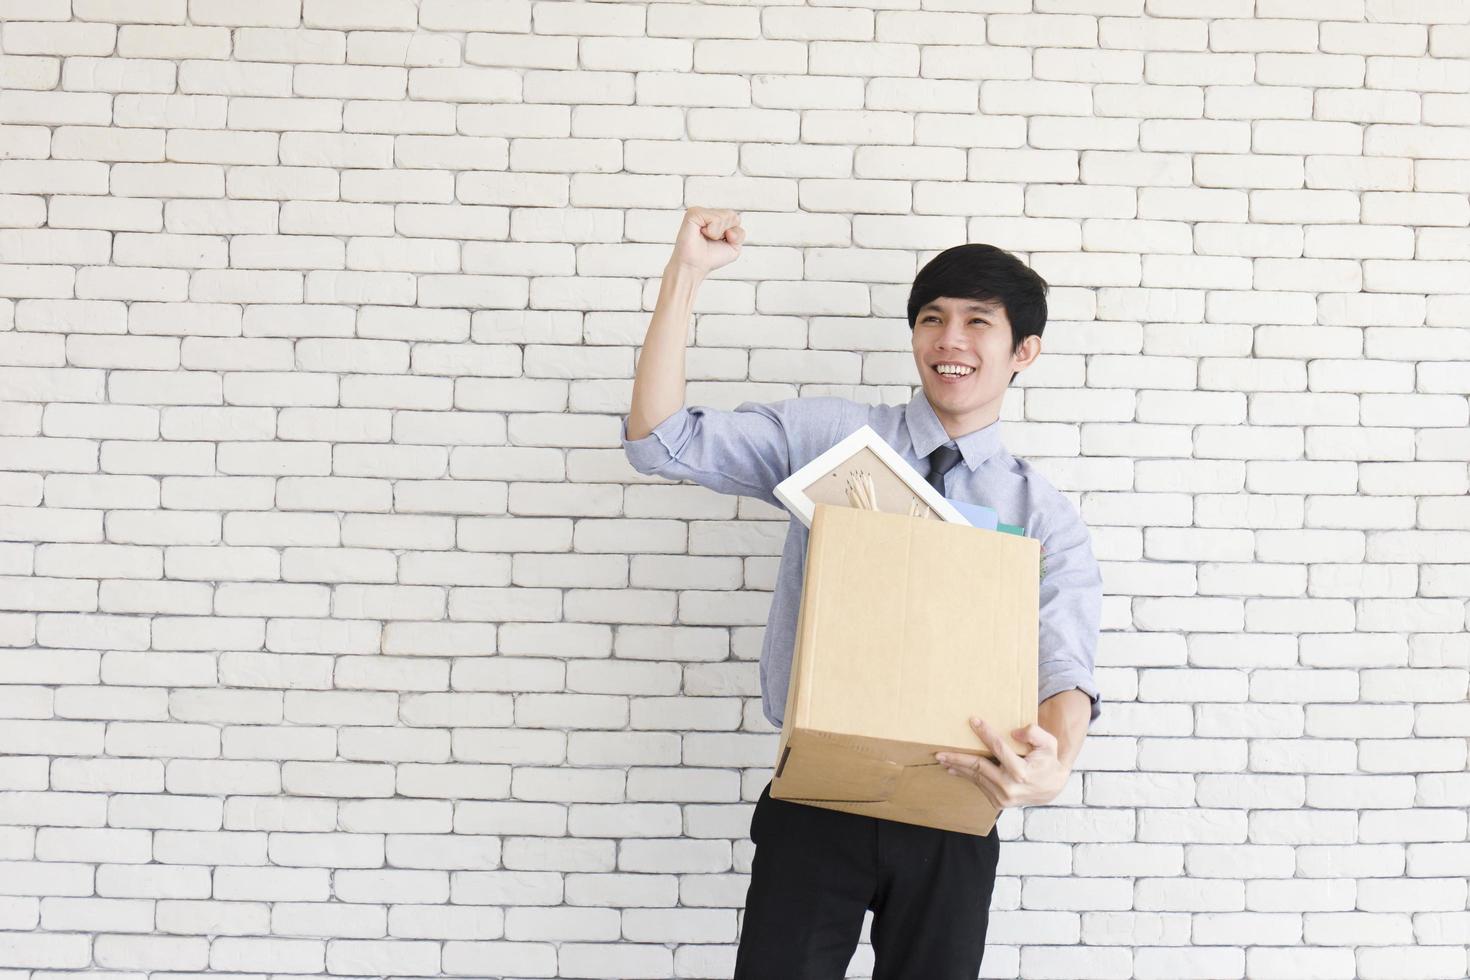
(35, 37)
(297, 45)
(273, 13)
(521, 958)
(176, 42)
(380, 15)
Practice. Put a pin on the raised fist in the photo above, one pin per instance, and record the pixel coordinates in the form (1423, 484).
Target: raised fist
(708, 239)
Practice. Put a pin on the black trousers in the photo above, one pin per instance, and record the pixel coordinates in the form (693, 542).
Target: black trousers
(817, 871)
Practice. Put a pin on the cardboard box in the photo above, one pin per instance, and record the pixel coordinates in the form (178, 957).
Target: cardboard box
(907, 628)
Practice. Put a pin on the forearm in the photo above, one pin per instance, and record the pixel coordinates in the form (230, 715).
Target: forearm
(1066, 715)
(658, 382)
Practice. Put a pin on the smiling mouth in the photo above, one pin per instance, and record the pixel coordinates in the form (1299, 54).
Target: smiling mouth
(953, 373)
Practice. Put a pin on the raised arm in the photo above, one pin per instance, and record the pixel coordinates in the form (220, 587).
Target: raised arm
(707, 239)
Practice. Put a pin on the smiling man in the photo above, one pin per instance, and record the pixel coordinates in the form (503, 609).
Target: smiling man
(976, 314)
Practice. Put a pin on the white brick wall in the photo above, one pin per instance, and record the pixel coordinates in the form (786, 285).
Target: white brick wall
(337, 637)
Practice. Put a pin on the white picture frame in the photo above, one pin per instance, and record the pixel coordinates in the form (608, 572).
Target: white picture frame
(860, 449)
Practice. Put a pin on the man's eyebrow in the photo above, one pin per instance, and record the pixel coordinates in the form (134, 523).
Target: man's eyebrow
(982, 307)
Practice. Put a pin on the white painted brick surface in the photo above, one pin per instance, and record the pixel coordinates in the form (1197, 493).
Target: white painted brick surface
(337, 637)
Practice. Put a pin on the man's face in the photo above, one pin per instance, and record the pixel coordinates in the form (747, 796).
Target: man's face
(971, 341)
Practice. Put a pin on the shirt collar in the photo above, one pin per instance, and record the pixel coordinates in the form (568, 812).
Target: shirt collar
(927, 434)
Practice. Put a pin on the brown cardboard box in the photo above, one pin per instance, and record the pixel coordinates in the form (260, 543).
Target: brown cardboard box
(907, 628)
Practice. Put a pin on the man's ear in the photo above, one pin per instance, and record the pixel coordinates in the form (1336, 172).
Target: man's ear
(1027, 354)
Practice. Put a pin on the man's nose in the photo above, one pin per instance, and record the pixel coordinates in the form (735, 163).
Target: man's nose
(953, 335)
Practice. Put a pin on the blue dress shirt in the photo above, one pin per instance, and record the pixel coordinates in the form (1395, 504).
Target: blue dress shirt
(751, 449)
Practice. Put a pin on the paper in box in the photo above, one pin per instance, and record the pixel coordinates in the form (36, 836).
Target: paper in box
(907, 628)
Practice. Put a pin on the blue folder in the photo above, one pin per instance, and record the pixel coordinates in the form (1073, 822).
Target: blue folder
(983, 517)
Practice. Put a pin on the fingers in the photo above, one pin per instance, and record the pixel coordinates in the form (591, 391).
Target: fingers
(1037, 736)
(983, 773)
(719, 223)
(1004, 754)
(990, 794)
(728, 229)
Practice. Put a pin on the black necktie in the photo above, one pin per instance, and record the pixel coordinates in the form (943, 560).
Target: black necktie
(940, 462)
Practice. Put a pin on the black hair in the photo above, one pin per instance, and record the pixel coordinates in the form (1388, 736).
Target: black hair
(983, 272)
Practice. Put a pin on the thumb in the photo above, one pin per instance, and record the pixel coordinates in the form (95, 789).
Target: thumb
(1034, 735)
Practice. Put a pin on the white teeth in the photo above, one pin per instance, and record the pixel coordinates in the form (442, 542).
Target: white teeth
(953, 369)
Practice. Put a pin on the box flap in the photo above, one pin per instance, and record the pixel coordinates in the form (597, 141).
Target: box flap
(823, 766)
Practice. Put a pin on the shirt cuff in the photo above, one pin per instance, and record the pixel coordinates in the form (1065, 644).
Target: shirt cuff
(656, 448)
(1065, 682)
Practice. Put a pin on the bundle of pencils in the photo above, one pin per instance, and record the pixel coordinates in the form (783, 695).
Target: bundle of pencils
(860, 490)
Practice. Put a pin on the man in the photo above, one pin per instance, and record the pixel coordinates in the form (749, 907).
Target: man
(976, 314)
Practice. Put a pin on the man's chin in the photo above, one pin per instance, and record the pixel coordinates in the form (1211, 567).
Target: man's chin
(956, 404)
(953, 396)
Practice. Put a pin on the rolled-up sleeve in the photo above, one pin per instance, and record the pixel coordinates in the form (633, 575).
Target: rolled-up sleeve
(1071, 608)
(745, 452)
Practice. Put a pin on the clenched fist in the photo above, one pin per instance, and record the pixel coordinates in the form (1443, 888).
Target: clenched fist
(708, 239)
